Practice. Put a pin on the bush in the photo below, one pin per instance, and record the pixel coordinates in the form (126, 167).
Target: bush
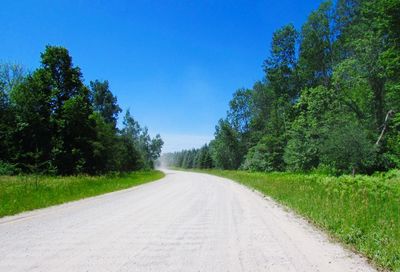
(266, 156)
(8, 169)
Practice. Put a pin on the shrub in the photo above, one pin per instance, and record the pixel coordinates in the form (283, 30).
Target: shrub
(8, 169)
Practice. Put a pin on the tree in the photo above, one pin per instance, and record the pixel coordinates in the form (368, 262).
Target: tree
(263, 98)
(349, 80)
(280, 67)
(346, 14)
(144, 144)
(146, 149)
(275, 101)
(301, 151)
(194, 158)
(266, 156)
(370, 44)
(11, 76)
(32, 134)
(155, 147)
(316, 48)
(316, 110)
(72, 129)
(347, 148)
(131, 157)
(106, 146)
(205, 160)
(227, 151)
(240, 110)
(104, 101)
(52, 123)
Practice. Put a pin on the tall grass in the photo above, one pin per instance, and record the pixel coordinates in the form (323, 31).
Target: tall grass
(24, 193)
(361, 211)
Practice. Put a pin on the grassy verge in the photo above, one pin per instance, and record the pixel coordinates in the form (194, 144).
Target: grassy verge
(24, 193)
(361, 211)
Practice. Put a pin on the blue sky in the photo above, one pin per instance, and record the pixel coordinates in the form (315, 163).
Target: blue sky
(175, 64)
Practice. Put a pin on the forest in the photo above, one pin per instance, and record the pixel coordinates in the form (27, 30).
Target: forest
(329, 100)
(51, 123)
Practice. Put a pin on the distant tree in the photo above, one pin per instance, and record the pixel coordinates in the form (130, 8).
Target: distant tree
(156, 147)
(131, 157)
(195, 158)
(205, 160)
(147, 149)
(131, 126)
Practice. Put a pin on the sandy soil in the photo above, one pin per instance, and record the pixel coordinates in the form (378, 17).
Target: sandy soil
(184, 222)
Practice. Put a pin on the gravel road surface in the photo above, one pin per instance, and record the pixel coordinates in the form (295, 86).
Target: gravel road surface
(184, 222)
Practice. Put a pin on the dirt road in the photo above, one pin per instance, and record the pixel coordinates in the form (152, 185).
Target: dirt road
(184, 222)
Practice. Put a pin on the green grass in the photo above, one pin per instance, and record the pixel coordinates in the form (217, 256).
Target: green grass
(24, 193)
(362, 211)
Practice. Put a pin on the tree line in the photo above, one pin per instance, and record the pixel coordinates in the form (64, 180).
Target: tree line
(52, 123)
(330, 98)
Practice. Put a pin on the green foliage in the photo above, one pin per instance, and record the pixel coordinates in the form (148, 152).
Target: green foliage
(104, 102)
(239, 114)
(316, 48)
(24, 193)
(204, 159)
(393, 142)
(280, 67)
(105, 146)
(32, 131)
(11, 75)
(266, 156)
(8, 169)
(226, 149)
(347, 148)
(52, 123)
(316, 109)
(349, 80)
(361, 211)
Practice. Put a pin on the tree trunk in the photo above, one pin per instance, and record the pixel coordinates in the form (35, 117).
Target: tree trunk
(384, 126)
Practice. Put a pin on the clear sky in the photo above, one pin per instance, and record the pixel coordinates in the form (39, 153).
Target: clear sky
(174, 63)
